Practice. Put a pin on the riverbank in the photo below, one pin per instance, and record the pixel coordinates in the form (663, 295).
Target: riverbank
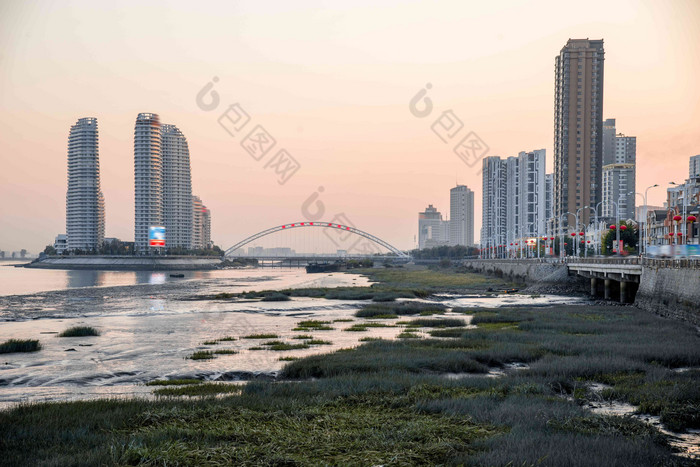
(129, 263)
(457, 385)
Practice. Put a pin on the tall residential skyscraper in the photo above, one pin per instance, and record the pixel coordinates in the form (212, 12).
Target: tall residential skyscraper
(694, 169)
(619, 172)
(201, 224)
(177, 188)
(609, 141)
(148, 179)
(578, 128)
(532, 208)
(461, 216)
(619, 188)
(85, 212)
(493, 206)
(514, 198)
(549, 203)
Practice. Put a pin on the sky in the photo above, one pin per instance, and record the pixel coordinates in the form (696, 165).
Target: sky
(331, 83)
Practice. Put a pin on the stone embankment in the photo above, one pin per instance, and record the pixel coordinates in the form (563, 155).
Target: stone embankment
(541, 277)
(133, 263)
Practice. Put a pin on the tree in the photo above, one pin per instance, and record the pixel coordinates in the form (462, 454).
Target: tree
(22, 253)
(629, 237)
(50, 250)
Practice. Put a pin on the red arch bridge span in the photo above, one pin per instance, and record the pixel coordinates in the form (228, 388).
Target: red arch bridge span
(322, 225)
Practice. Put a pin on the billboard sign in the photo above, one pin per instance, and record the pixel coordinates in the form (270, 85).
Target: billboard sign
(156, 236)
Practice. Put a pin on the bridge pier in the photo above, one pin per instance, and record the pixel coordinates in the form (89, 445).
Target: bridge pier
(623, 292)
(608, 289)
(594, 287)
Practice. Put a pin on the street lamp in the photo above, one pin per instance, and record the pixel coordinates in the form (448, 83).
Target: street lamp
(685, 189)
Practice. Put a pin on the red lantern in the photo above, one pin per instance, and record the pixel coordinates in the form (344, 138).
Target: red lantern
(623, 227)
(516, 243)
(677, 218)
(581, 234)
(680, 234)
(551, 238)
(612, 227)
(573, 234)
(691, 218)
(588, 241)
(511, 244)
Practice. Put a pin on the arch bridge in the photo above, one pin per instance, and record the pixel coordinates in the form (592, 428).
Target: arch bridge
(323, 225)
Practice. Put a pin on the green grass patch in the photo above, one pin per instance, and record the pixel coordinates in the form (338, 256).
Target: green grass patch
(281, 346)
(202, 355)
(434, 323)
(377, 310)
(80, 331)
(173, 382)
(288, 359)
(261, 336)
(408, 335)
(318, 342)
(20, 345)
(204, 389)
(303, 337)
(225, 352)
(276, 297)
(313, 325)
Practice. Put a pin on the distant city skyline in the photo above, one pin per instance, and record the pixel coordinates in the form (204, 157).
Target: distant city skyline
(331, 85)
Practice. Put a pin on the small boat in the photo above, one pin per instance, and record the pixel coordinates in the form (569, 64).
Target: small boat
(177, 275)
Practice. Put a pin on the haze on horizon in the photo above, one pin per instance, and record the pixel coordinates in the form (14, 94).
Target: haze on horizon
(331, 82)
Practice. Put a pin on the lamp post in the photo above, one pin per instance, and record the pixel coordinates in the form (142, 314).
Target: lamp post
(645, 229)
(577, 229)
(562, 250)
(685, 189)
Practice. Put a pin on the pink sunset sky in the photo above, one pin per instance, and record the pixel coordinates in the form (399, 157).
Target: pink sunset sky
(331, 82)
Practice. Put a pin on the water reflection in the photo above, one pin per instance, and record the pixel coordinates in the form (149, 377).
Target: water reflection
(85, 278)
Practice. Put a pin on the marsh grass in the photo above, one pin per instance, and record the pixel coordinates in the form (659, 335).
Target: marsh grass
(318, 342)
(387, 402)
(408, 335)
(204, 389)
(20, 345)
(202, 355)
(173, 382)
(261, 336)
(225, 352)
(303, 337)
(80, 331)
(281, 346)
(313, 325)
(434, 323)
(275, 297)
(382, 310)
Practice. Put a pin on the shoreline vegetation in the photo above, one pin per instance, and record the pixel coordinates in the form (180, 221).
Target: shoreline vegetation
(509, 387)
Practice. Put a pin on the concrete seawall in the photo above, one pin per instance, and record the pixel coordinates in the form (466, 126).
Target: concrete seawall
(671, 292)
(128, 263)
(540, 276)
(666, 288)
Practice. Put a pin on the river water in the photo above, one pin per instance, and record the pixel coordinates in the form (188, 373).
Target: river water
(149, 326)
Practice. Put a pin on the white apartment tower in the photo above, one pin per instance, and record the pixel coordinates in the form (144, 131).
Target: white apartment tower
(148, 179)
(85, 211)
(493, 207)
(431, 228)
(177, 188)
(533, 192)
(461, 216)
(694, 166)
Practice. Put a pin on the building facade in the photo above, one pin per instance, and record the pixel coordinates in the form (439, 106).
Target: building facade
(578, 128)
(201, 225)
(85, 211)
(461, 224)
(532, 208)
(493, 206)
(619, 189)
(694, 166)
(148, 179)
(431, 228)
(177, 188)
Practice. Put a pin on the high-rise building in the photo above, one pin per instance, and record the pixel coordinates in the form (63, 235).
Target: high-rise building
(609, 141)
(431, 228)
(148, 179)
(549, 202)
(514, 198)
(85, 212)
(578, 129)
(177, 188)
(619, 167)
(619, 188)
(493, 206)
(694, 170)
(532, 207)
(461, 226)
(201, 225)
(513, 224)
